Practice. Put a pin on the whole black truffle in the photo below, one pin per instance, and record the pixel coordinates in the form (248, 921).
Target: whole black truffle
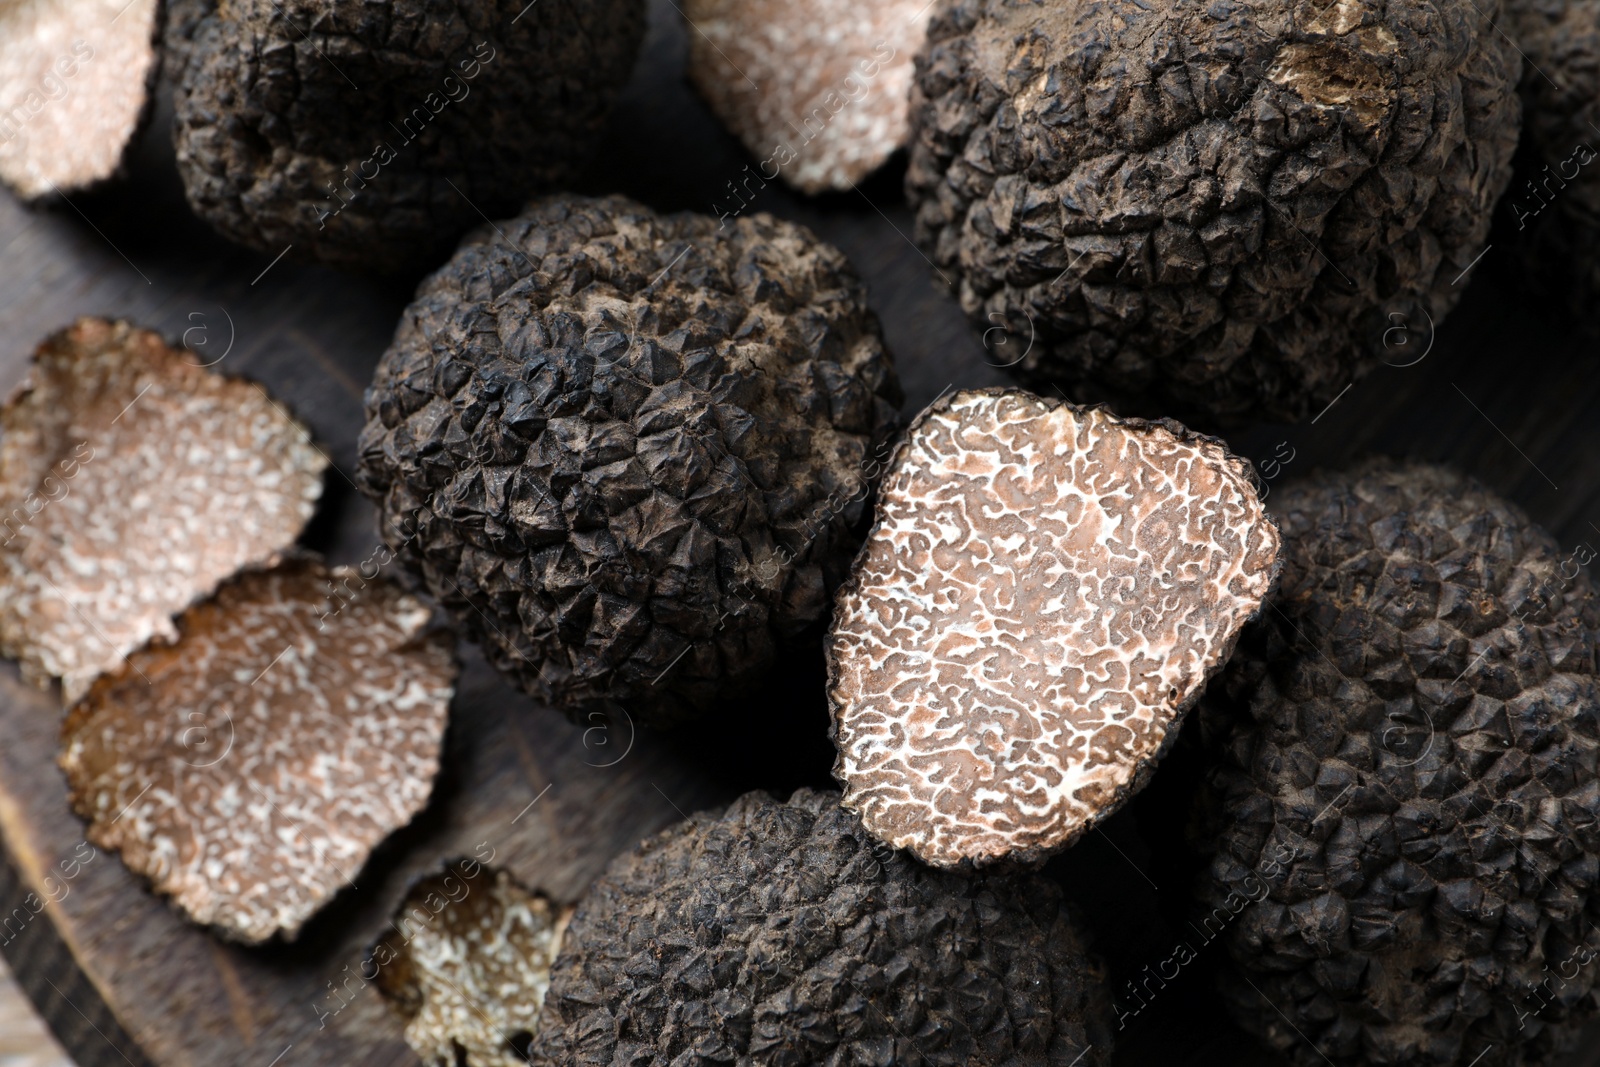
(1209, 210)
(632, 452)
(775, 934)
(1405, 781)
(370, 136)
(1554, 202)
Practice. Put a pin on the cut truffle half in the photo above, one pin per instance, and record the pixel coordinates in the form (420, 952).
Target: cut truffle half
(819, 92)
(75, 85)
(467, 964)
(132, 481)
(248, 767)
(1044, 593)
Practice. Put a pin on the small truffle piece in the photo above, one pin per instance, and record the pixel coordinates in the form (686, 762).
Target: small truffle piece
(75, 85)
(1206, 211)
(370, 136)
(248, 767)
(632, 452)
(818, 92)
(467, 964)
(1402, 803)
(132, 481)
(1044, 594)
(780, 933)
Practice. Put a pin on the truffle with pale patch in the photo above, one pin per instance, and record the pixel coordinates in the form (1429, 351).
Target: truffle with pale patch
(467, 963)
(779, 933)
(1210, 210)
(132, 481)
(818, 92)
(75, 87)
(248, 767)
(1044, 594)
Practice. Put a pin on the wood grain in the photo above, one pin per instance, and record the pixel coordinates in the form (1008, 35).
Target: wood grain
(1508, 391)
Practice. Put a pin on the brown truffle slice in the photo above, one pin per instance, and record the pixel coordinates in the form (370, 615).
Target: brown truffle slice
(248, 768)
(75, 81)
(1044, 593)
(131, 482)
(467, 965)
(819, 92)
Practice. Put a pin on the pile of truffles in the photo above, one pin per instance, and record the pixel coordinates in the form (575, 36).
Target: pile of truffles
(647, 461)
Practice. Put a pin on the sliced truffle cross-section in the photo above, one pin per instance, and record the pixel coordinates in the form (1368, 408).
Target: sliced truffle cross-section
(467, 964)
(1044, 593)
(132, 481)
(248, 768)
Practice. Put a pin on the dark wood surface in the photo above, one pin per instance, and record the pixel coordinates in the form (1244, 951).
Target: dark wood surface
(1509, 391)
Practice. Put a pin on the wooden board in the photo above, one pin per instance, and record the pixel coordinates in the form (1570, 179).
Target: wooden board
(1507, 391)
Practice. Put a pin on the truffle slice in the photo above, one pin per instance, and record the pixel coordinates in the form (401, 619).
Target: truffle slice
(1044, 594)
(1401, 782)
(467, 965)
(248, 767)
(780, 933)
(632, 452)
(75, 83)
(131, 482)
(819, 92)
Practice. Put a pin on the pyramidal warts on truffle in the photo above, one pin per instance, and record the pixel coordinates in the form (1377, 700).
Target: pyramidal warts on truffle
(377, 153)
(631, 452)
(1042, 596)
(778, 932)
(249, 766)
(1411, 740)
(1209, 211)
(119, 458)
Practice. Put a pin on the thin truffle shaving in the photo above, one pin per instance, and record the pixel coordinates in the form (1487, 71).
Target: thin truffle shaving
(131, 482)
(248, 768)
(468, 964)
(1044, 593)
(75, 79)
(818, 92)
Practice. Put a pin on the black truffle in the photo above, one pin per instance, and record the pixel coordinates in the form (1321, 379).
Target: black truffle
(632, 452)
(1209, 211)
(370, 136)
(1404, 781)
(1554, 203)
(774, 934)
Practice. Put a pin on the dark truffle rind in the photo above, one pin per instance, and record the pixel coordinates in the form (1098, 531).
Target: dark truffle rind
(776, 933)
(370, 136)
(1209, 211)
(1404, 793)
(1554, 203)
(632, 452)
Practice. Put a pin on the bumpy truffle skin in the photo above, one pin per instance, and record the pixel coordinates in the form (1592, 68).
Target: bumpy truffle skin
(370, 136)
(1209, 210)
(773, 934)
(1405, 781)
(1555, 201)
(629, 451)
